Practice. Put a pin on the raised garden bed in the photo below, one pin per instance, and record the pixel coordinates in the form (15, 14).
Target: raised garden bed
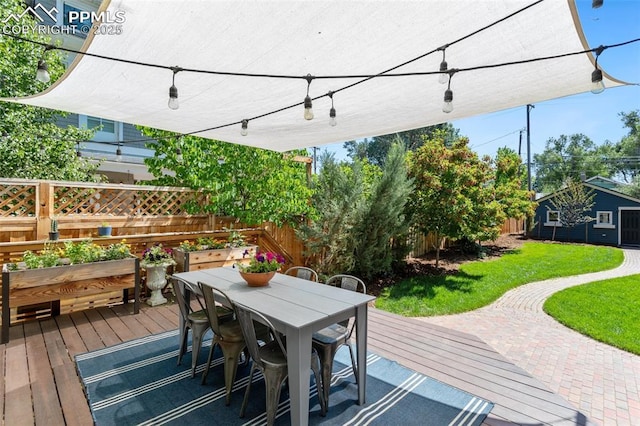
(213, 258)
(68, 288)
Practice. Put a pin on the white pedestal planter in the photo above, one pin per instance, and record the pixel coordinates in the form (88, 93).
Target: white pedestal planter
(156, 280)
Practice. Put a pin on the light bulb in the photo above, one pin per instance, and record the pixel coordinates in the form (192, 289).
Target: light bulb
(43, 72)
(173, 97)
(308, 112)
(597, 85)
(332, 117)
(444, 76)
(244, 131)
(179, 155)
(448, 101)
(221, 160)
(597, 3)
(118, 154)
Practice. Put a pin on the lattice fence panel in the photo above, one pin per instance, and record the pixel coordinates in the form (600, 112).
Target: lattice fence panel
(17, 200)
(177, 203)
(125, 201)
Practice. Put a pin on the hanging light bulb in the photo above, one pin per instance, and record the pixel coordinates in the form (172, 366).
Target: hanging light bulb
(448, 101)
(221, 160)
(118, 154)
(597, 3)
(43, 72)
(448, 95)
(308, 111)
(332, 112)
(244, 131)
(597, 85)
(444, 75)
(179, 155)
(173, 91)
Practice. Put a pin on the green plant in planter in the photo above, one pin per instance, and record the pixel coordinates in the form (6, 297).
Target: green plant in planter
(236, 239)
(54, 225)
(117, 251)
(48, 257)
(83, 252)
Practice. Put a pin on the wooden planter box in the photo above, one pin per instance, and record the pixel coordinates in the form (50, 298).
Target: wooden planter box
(204, 259)
(75, 287)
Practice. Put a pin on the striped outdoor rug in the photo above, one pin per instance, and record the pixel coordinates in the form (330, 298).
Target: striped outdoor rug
(138, 382)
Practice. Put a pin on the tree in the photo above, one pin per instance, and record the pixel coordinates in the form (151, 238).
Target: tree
(32, 145)
(361, 222)
(568, 157)
(510, 185)
(453, 197)
(251, 184)
(382, 220)
(572, 203)
(377, 149)
(626, 153)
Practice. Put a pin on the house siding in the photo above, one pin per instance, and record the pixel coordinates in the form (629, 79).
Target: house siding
(589, 232)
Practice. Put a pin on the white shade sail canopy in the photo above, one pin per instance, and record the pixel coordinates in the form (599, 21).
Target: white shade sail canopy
(321, 38)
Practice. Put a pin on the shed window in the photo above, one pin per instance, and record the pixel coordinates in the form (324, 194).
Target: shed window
(604, 219)
(553, 218)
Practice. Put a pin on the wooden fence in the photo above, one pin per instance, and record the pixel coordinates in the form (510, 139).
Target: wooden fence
(144, 215)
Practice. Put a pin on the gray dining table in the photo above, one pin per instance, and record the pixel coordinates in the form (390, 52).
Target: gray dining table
(297, 309)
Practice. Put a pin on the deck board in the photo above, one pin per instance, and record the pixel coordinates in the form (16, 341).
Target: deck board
(452, 357)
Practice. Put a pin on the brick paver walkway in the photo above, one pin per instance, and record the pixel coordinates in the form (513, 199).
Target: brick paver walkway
(601, 381)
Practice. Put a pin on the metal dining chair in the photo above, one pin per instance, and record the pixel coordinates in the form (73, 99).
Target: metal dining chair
(329, 339)
(271, 360)
(228, 335)
(196, 321)
(302, 272)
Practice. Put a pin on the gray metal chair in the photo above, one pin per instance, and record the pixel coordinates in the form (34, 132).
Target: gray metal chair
(271, 359)
(302, 272)
(196, 321)
(227, 334)
(329, 339)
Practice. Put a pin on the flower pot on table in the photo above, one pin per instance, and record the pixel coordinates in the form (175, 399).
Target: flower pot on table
(257, 279)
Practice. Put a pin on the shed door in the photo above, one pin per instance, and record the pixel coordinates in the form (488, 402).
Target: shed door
(630, 227)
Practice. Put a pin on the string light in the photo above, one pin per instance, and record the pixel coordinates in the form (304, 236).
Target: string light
(173, 90)
(78, 154)
(42, 74)
(118, 153)
(597, 85)
(221, 160)
(597, 3)
(179, 155)
(332, 112)
(308, 111)
(244, 131)
(448, 95)
(444, 75)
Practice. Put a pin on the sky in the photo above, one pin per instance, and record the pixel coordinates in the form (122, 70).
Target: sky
(596, 116)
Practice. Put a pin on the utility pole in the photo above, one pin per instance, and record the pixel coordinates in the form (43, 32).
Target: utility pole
(529, 108)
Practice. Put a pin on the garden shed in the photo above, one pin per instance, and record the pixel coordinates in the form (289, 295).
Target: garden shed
(615, 218)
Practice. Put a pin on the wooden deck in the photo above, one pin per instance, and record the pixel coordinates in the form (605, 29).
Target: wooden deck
(40, 385)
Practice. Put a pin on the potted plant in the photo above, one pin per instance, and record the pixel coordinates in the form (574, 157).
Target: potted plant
(261, 267)
(69, 275)
(104, 230)
(53, 233)
(155, 261)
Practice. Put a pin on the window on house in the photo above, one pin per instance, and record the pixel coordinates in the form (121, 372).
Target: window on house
(82, 27)
(107, 126)
(553, 218)
(106, 130)
(604, 219)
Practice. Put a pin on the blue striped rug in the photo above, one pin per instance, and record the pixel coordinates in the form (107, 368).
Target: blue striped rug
(138, 382)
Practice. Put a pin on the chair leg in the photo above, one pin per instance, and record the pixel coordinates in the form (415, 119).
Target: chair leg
(183, 344)
(273, 379)
(231, 352)
(196, 345)
(326, 355)
(245, 401)
(214, 342)
(315, 367)
(353, 362)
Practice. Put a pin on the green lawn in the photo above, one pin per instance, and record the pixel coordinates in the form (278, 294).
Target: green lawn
(479, 283)
(608, 311)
